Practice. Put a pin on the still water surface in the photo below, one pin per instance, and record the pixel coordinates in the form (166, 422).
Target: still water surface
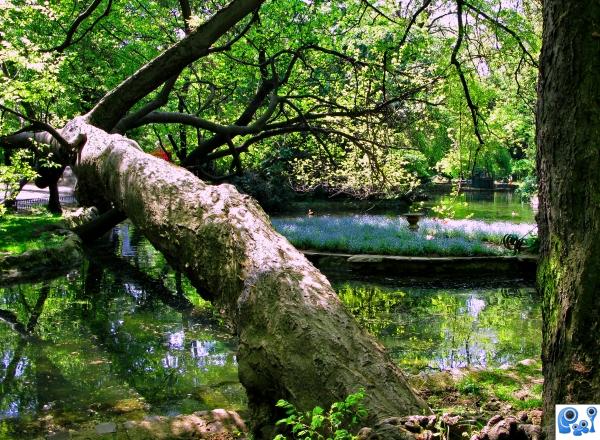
(484, 205)
(480, 205)
(126, 336)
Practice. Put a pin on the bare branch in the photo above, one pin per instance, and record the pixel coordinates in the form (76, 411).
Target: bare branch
(454, 60)
(78, 21)
(505, 29)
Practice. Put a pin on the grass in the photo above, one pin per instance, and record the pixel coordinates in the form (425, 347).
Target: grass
(518, 388)
(20, 232)
(373, 234)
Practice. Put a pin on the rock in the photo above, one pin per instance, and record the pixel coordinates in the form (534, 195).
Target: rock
(522, 416)
(503, 430)
(129, 425)
(536, 416)
(532, 432)
(394, 421)
(521, 394)
(412, 426)
(80, 216)
(452, 424)
(431, 421)
(62, 435)
(508, 428)
(527, 362)
(365, 434)
(106, 428)
(492, 405)
(423, 421)
(218, 424)
(393, 432)
(425, 435)
(450, 420)
(495, 419)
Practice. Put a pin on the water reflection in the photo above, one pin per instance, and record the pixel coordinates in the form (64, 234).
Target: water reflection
(484, 205)
(449, 328)
(113, 342)
(110, 343)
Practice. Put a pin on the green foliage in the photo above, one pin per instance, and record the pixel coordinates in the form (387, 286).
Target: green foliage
(20, 233)
(447, 206)
(335, 424)
(425, 129)
(11, 175)
(528, 187)
(478, 328)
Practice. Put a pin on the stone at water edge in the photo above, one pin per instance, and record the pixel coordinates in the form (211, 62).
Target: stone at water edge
(106, 428)
(63, 435)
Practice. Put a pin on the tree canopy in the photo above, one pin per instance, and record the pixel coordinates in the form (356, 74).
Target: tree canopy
(354, 97)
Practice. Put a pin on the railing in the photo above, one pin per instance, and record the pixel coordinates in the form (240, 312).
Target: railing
(28, 204)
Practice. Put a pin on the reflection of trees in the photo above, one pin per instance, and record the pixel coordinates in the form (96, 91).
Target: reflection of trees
(153, 347)
(447, 329)
(95, 344)
(48, 378)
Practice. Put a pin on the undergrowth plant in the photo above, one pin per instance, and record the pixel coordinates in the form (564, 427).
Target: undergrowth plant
(318, 424)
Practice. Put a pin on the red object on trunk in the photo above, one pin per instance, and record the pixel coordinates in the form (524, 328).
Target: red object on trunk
(161, 153)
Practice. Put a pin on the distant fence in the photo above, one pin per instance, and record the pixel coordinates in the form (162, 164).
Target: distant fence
(28, 204)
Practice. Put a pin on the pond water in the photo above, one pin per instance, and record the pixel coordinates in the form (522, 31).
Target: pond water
(484, 205)
(125, 336)
(481, 205)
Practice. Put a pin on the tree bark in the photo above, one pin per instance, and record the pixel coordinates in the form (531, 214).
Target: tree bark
(54, 198)
(296, 339)
(568, 136)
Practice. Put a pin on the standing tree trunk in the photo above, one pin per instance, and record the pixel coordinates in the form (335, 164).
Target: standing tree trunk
(296, 339)
(54, 198)
(568, 138)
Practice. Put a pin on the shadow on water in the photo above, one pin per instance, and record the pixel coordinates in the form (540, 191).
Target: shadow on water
(126, 336)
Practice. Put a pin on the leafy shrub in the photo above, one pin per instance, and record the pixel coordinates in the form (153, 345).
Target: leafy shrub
(335, 424)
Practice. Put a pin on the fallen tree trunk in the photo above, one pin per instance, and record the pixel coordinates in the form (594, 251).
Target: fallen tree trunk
(296, 339)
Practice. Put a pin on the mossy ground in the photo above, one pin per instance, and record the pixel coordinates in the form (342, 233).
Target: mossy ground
(483, 393)
(23, 232)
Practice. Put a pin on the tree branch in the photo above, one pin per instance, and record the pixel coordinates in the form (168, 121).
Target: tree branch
(194, 121)
(78, 21)
(412, 21)
(129, 121)
(227, 46)
(38, 125)
(505, 29)
(114, 105)
(454, 60)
